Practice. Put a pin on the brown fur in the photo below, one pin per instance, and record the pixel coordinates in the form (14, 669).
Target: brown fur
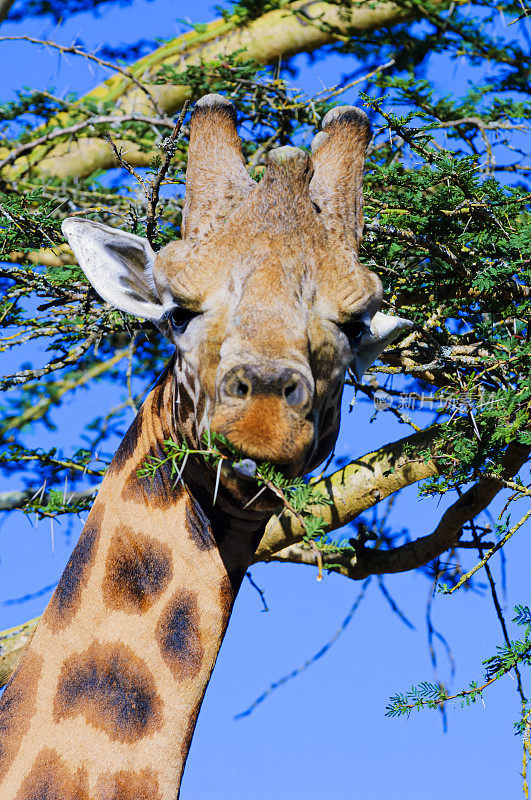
(198, 526)
(227, 595)
(113, 689)
(214, 131)
(138, 569)
(50, 779)
(337, 183)
(67, 597)
(178, 635)
(17, 707)
(272, 275)
(157, 489)
(128, 445)
(105, 702)
(187, 736)
(253, 433)
(124, 785)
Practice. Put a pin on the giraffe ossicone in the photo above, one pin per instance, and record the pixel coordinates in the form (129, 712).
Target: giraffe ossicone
(267, 305)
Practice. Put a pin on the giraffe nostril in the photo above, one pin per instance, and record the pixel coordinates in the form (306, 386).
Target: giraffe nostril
(240, 388)
(236, 386)
(243, 383)
(295, 393)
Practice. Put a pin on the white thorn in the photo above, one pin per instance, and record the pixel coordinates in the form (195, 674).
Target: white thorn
(256, 496)
(180, 471)
(217, 481)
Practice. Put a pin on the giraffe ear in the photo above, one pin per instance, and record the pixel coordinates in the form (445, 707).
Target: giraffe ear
(382, 330)
(119, 266)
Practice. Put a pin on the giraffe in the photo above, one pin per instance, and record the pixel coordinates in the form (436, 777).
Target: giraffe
(266, 304)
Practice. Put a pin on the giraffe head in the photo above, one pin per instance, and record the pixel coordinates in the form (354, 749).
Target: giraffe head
(264, 296)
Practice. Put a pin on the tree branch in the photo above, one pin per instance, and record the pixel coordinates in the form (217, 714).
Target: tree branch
(355, 488)
(79, 126)
(352, 489)
(298, 27)
(57, 363)
(38, 409)
(169, 145)
(369, 561)
(102, 62)
(9, 501)
(13, 642)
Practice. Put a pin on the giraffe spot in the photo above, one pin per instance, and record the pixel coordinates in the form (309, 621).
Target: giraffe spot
(227, 593)
(113, 689)
(66, 598)
(177, 634)
(187, 736)
(50, 779)
(198, 526)
(17, 706)
(129, 786)
(158, 400)
(158, 489)
(128, 445)
(137, 570)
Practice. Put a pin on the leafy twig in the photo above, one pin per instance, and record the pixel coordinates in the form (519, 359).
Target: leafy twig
(488, 555)
(153, 195)
(90, 57)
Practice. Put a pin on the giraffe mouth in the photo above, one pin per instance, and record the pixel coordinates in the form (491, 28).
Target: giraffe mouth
(265, 430)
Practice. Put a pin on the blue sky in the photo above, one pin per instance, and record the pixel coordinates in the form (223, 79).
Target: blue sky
(325, 733)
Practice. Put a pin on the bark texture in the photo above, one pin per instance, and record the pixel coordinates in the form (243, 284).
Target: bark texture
(355, 488)
(426, 548)
(13, 642)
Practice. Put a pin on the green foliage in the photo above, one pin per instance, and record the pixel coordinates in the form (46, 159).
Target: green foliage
(508, 656)
(28, 220)
(447, 228)
(447, 225)
(57, 503)
(296, 495)
(243, 11)
(522, 616)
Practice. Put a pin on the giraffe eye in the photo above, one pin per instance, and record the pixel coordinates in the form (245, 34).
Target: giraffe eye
(179, 318)
(353, 330)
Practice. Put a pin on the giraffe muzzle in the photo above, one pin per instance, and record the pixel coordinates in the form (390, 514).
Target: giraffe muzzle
(242, 384)
(266, 412)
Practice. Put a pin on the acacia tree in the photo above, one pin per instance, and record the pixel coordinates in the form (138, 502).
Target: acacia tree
(446, 228)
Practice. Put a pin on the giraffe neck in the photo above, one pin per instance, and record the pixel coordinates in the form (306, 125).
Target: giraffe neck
(105, 701)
